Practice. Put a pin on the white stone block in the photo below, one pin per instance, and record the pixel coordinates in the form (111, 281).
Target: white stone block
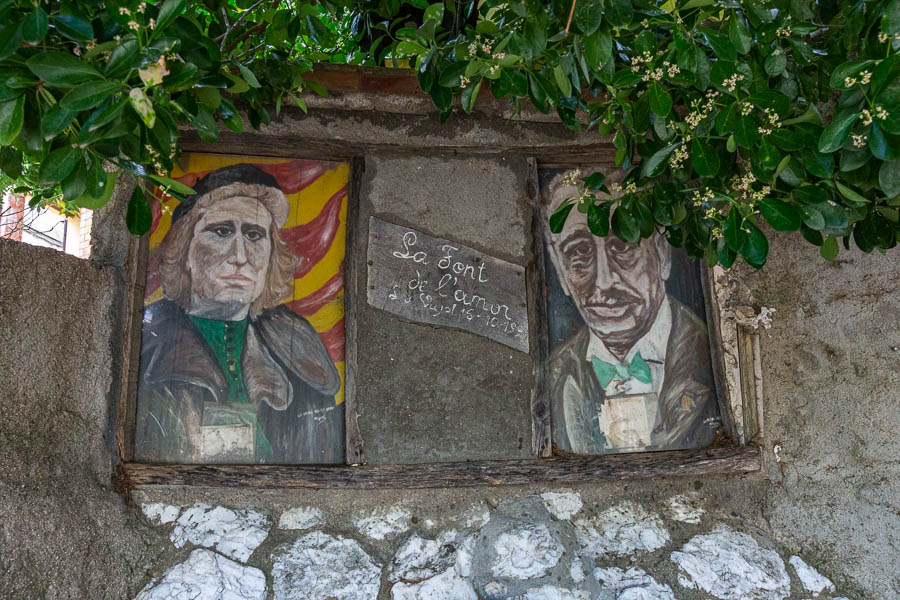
(301, 518)
(526, 552)
(621, 530)
(206, 575)
(562, 505)
(383, 523)
(811, 579)
(234, 533)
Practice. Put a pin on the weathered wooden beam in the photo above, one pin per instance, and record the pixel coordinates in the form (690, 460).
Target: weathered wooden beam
(677, 463)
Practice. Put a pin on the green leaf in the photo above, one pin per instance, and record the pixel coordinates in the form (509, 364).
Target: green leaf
(820, 165)
(848, 69)
(851, 194)
(74, 185)
(811, 235)
(61, 68)
(781, 215)
(889, 178)
(435, 11)
(660, 100)
(625, 226)
(406, 48)
(88, 95)
(55, 120)
(829, 249)
(746, 131)
(169, 11)
(812, 217)
(619, 13)
(73, 27)
(175, 186)
(562, 80)
(598, 219)
(705, 157)
(588, 16)
(469, 96)
(58, 165)
(775, 64)
(123, 57)
(11, 162)
(756, 248)
(882, 145)
(12, 117)
(739, 34)
(97, 202)
(836, 133)
(559, 216)
(768, 155)
(654, 165)
(721, 45)
(786, 139)
(138, 218)
(35, 26)
(734, 236)
(10, 40)
(727, 119)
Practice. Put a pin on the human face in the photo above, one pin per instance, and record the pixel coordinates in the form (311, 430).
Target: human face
(617, 287)
(228, 258)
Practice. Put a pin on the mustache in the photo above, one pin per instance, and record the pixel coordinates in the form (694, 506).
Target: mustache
(611, 297)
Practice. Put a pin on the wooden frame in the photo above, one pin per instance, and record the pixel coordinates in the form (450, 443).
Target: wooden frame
(543, 469)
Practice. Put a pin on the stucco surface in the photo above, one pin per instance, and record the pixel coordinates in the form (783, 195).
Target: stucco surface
(64, 533)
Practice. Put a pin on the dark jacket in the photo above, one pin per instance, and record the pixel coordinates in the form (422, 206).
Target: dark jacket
(687, 415)
(183, 413)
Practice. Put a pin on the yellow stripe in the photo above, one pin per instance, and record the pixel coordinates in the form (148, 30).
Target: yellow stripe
(329, 315)
(309, 202)
(328, 266)
(339, 397)
(192, 163)
(154, 297)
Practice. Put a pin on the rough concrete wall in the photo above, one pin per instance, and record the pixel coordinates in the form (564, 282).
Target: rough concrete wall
(832, 383)
(64, 533)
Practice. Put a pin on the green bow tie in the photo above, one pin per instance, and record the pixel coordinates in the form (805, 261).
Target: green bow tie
(606, 372)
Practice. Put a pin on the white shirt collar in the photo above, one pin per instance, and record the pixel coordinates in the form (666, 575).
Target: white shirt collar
(652, 346)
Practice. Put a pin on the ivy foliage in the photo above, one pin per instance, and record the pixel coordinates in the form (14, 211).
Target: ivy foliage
(723, 114)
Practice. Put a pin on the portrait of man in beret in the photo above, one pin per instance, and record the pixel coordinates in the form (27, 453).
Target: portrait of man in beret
(228, 373)
(635, 372)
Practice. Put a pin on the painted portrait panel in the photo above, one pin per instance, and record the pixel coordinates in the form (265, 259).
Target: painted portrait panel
(629, 367)
(242, 346)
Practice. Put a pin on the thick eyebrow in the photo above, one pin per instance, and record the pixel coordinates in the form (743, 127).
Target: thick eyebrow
(248, 227)
(577, 235)
(220, 224)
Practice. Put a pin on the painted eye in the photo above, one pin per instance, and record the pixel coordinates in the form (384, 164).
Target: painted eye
(254, 234)
(221, 230)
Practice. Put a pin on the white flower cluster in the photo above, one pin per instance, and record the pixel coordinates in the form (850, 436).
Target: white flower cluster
(742, 189)
(773, 122)
(678, 158)
(880, 113)
(859, 140)
(571, 178)
(885, 37)
(629, 188)
(700, 197)
(864, 78)
(702, 109)
(642, 62)
(731, 83)
(464, 81)
(783, 31)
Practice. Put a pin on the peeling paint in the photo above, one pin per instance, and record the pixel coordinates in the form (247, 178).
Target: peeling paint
(562, 505)
(384, 523)
(159, 513)
(321, 567)
(732, 566)
(301, 518)
(621, 530)
(811, 579)
(206, 575)
(234, 533)
(685, 508)
(633, 584)
(526, 552)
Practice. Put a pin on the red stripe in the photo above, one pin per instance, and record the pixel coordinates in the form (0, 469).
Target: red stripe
(308, 305)
(313, 240)
(334, 341)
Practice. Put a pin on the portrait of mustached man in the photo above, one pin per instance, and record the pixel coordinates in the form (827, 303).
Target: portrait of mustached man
(634, 372)
(228, 374)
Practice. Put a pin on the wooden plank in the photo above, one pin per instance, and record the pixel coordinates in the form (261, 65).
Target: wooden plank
(353, 438)
(436, 281)
(679, 463)
(541, 442)
(716, 351)
(136, 274)
(746, 339)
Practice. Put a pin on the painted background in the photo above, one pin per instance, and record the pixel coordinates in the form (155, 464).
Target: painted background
(315, 230)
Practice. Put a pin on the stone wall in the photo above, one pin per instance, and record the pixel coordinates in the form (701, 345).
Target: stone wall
(827, 502)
